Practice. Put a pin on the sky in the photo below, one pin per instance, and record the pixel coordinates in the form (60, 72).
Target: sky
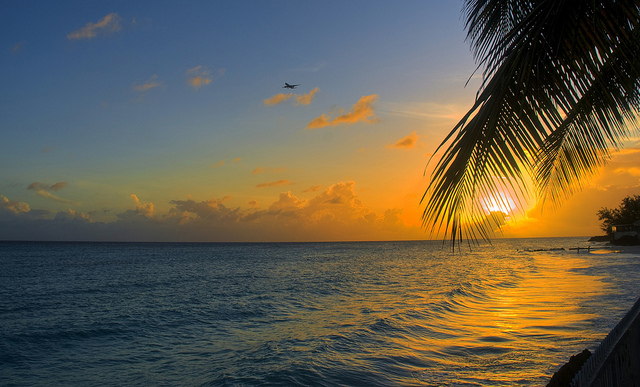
(167, 121)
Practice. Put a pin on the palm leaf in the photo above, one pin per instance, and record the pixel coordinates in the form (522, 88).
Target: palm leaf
(561, 81)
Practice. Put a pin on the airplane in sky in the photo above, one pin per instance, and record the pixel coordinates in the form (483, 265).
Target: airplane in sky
(288, 86)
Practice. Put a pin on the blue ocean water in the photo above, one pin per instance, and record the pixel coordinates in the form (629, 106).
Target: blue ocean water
(307, 314)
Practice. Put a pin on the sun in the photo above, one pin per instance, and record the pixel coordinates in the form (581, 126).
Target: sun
(498, 203)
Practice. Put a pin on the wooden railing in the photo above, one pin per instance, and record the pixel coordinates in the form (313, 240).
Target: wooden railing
(616, 361)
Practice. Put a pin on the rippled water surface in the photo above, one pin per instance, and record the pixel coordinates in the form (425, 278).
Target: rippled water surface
(375, 314)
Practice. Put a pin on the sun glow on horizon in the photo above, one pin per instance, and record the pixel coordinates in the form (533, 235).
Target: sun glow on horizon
(499, 203)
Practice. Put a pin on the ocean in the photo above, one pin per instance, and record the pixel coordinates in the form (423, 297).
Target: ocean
(305, 314)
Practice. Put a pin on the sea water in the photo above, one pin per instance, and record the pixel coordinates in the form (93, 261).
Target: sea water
(307, 314)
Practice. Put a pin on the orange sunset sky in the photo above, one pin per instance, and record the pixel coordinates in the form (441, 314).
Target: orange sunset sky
(167, 121)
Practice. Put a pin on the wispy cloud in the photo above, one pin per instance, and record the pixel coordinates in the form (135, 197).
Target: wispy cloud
(105, 26)
(41, 186)
(633, 171)
(153, 82)
(313, 188)
(425, 110)
(274, 183)
(300, 99)
(276, 99)
(362, 111)
(306, 99)
(407, 142)
(200, 76)
(17, 47)
(628, 151)
(43, 190)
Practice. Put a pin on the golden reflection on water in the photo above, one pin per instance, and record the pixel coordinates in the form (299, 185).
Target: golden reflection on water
(492, 317)
(542, 307)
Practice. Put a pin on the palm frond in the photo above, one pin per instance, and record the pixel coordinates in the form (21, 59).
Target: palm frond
(603, 117)
(548, 109)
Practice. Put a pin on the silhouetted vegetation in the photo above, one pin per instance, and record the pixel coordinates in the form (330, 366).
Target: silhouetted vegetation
(561, 89)
(627, 213)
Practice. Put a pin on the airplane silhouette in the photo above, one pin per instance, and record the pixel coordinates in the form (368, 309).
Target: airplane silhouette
(288, 86)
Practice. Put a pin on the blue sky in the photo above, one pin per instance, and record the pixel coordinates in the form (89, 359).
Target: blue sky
(115, 113)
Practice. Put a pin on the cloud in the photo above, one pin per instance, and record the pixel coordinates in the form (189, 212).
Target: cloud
(449, 112)
(633, 171)
(306, 99)
(313, 188)
(59, 186)
(153, 82)
(143, 210)
(286, 203)
(210, 209)
(71, 215)
(13, 206)
(627, 151)
(49, 195)
(105, 26)
(332, 214)
(17, 47)
(41, 186)
(200, 76)
(276, 99)
(274, 183)
(362, 111)
(301, 99)
(407, 142)
(42, 190)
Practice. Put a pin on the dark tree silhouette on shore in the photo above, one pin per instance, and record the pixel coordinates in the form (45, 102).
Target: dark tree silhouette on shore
(627, 213)
(560, 93)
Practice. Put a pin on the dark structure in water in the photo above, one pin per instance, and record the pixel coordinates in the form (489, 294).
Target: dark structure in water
(616, 361)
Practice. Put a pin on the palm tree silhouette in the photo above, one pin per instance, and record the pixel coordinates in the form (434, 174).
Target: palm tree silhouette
(560, 92)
